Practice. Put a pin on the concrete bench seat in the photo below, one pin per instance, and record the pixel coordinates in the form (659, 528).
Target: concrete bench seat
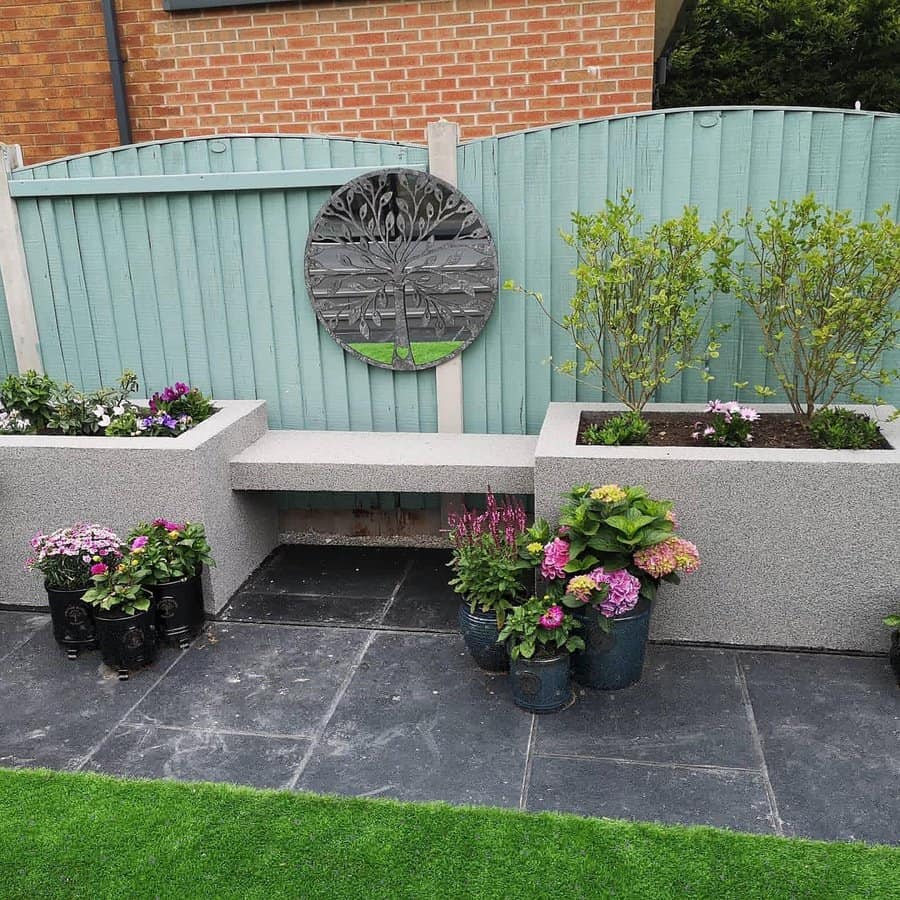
(285, 460)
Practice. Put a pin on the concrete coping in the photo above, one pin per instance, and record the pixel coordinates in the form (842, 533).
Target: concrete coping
(560, 429)
(227, 413)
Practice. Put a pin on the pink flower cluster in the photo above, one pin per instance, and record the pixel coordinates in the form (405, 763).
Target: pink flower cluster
(81, 540)
(624, 589)
(552, 618)
(169, 395)
(556, 556)
(732, 409)
(165, 523)
(504, 522)
(672, 555)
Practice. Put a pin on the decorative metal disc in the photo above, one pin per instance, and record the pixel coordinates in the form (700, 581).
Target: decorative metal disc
(401, 269)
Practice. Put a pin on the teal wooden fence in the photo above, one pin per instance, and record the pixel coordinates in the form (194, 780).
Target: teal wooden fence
(7, 351)
(200, 276)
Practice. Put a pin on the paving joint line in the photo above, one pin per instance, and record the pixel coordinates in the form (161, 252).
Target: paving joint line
(653, 764)
(91, 753)
(390, 601)
(529, 760)
(21, 644)
(193, 729)
(774, 815)
(345, 684)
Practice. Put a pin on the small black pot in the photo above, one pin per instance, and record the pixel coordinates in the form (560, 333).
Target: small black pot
(894, 655)
(612, 659)
(541, 685)
(179, 610)
(73, 620)
(480, 632)
(126, 641)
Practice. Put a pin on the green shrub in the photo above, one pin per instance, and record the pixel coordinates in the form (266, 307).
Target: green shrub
(625, 429)
(31, 396)
(822, 288)
(843, 429)
(641, 298)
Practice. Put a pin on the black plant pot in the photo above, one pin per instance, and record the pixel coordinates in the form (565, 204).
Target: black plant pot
(126, 641)
(179, 610)
(480, 632)
(615, 659)
(894, 655)
(73, 620)
(541, 685)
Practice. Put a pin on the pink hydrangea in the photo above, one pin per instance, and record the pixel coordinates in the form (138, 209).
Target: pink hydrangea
(672, 555)
(556, 556)
(552, 618)
(99, 569)
(624, 589)
(169, 526)
(139, 542)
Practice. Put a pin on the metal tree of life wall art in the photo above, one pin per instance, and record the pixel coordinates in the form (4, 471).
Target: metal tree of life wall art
(401, 269)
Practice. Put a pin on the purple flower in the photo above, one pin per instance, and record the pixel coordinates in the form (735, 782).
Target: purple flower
(99, 569)
(624, 589)
(139, 542)
(552, 618)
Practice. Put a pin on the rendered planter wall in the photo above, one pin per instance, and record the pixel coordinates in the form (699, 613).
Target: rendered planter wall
(799, 548)
(49, 482)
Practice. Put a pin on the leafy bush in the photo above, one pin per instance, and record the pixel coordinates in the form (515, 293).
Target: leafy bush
(31, 396)
(120, 587)
(75, 412)
(179, 400)
(170, 551)
(822, 288)
(625, 429)
(843, 429)
(787, 53)
(641, 297)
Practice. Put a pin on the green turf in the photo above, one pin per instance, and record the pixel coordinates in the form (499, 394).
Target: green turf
(64, 835)
(423, 352)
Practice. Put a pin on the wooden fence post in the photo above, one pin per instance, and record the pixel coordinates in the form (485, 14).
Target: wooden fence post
(14, 271)
(443, 139)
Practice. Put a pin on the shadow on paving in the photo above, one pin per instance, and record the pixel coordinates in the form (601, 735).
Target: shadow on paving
(337, 670)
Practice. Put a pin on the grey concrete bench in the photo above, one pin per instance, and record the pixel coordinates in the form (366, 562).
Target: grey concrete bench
(386, 461)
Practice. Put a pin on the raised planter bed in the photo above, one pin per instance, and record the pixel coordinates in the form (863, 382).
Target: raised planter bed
(799, 547)
(47, 482)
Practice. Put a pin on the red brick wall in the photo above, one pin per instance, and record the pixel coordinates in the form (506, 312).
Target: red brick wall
(354, 68)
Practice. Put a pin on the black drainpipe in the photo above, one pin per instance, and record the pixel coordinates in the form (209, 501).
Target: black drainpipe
(116, 70)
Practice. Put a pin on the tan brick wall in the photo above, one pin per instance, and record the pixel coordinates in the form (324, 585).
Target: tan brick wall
(364, 69)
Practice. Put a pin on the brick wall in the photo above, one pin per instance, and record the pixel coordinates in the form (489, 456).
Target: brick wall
(352, 68)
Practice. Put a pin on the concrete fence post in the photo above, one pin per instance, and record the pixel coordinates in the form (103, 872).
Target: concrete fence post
(443, 139)
(14, 271)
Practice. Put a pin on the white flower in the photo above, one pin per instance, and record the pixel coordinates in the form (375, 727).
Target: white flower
(118, 410)
(104, 421)
(99, 411)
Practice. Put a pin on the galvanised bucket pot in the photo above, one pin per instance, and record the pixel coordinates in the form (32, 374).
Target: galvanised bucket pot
(126, 641)
(73, 620)
(541, 685)
(480, 632)
(615, 659)
(179, 610)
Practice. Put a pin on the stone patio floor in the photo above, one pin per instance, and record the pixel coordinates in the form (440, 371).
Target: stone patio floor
(340, 670)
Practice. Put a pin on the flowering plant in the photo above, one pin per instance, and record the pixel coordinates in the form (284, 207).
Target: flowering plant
(74, 412)
(120, 586)
(170, 551)
(180, 401)
(67, 556)
(729, 425)
(162, 425)
(486, 558)
(614, 545)
(540, 626)
(13, 422)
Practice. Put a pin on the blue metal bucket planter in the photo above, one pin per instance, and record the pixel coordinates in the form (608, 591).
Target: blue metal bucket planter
(615, 659)
(541, 685)
(479, 631)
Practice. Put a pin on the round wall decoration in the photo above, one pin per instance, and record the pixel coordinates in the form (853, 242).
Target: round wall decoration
(401, 269)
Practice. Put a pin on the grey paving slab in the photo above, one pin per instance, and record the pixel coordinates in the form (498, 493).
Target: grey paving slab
(830, 732)
(268, 679)
(420, 722)
(726, 799)
(425, 601)
(54, 710)
(18, 627)
(141, 751)
(293, 609)
(330, 571)
(687, 708)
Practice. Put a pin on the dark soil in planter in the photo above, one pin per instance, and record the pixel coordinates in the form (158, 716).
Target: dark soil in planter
(775, 430)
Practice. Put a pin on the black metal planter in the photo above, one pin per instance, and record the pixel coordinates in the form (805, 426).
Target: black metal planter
(894, 655)
(541, 685)
(179, 610)
(126, 641)
(73, 620)
(615, 659)
(480, 632)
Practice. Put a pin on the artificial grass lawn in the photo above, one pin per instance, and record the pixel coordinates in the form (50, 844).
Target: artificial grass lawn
(65, 835)
(423, 352)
